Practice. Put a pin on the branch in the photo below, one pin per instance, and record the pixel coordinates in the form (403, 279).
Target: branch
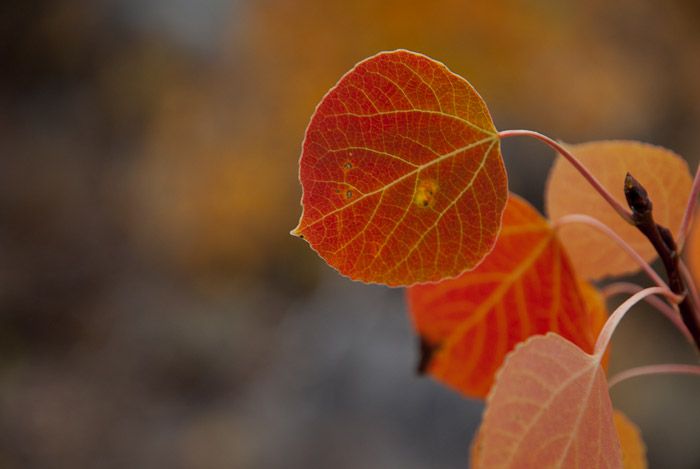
(664, 244)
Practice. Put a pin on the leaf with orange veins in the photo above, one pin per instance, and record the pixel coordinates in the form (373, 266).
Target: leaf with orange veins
(663, 174)
(549, 408)
(525, 286)
(402, 175)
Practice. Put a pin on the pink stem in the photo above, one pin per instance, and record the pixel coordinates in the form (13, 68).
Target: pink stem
(689, 210)
(663, 307)
(690, 284)
(617, 315)
(652, 370)
(605, 229)
(619, 208)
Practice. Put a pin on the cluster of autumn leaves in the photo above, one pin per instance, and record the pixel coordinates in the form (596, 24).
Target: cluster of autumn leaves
(404, 184)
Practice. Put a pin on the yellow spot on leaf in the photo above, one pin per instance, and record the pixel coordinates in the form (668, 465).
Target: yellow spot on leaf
(426, 192)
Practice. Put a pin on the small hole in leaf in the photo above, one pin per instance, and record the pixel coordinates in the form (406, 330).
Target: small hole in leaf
(348, 194)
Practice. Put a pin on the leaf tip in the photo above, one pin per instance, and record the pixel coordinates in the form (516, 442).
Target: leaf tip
(426, 352)
(297, 232)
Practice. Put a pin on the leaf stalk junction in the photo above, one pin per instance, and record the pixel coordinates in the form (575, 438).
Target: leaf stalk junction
(661, 238)
(641, 217)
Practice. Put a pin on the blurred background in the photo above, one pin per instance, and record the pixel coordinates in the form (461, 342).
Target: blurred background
(155, 312)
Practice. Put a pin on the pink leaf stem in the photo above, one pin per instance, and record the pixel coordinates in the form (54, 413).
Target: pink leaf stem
(619, 208)
(617, 315)
(653, 370)
(668, 311)
(605, 229)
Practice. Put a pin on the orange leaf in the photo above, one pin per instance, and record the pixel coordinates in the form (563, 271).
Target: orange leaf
(663, 174)
(525, 286)
(633, 448)
(596, 312)
(692, 249)
(402, 174)
(549, 408)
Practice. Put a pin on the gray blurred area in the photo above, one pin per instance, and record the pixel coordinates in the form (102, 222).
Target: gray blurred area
(155, 312)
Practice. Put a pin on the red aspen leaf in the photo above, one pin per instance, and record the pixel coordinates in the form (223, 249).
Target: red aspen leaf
(663, 174)
(402, 175)
(549, 408)
(525, 286)
(634, 451)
